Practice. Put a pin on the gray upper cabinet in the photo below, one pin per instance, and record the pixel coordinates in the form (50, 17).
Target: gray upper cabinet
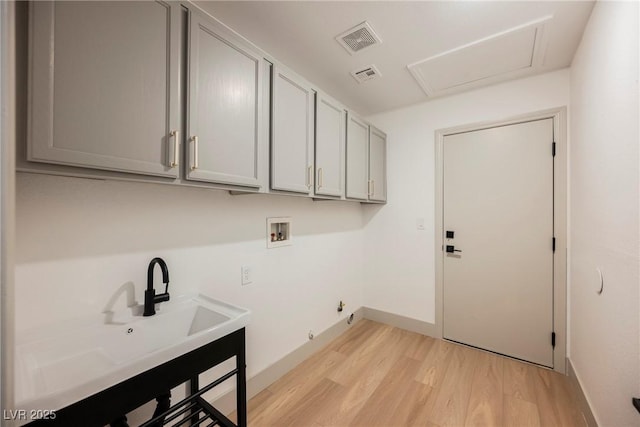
(224, 107)
(160, 91)
(357, 158)
(104, 85)
(377, 165)
(291, 132)
(330, 148)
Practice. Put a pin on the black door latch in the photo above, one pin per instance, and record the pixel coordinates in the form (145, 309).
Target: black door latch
(451, 249)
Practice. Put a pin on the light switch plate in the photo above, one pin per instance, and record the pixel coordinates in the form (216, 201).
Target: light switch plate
(420, 223)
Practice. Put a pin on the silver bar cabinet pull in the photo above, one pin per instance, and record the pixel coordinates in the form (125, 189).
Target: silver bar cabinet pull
(195, 153)
(176, 143)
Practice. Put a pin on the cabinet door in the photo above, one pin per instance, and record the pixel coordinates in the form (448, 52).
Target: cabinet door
(330, 150)
(225, 105)
(357, 158)
(377, 165)
(292, 133)
(104, 81)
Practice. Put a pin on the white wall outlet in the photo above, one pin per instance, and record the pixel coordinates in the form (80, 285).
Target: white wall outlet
(420, 223)
(247, 275)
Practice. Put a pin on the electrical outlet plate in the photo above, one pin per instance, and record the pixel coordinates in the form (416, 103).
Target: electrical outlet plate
(278, 232)
(247, 275)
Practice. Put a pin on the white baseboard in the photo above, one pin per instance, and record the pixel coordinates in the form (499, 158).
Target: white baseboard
(401, 322)
(582, 399)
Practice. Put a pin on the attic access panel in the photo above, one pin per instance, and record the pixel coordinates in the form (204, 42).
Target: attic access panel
(484, 61)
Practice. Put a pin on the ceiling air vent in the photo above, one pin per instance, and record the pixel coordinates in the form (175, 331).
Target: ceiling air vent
(367, 73)
(358, 38)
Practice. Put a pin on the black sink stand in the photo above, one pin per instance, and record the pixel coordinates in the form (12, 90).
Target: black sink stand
(112, 403)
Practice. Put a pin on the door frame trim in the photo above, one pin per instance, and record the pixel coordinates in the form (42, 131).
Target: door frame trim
(559, 116)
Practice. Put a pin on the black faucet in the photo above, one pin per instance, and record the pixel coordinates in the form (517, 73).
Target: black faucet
(150, 297)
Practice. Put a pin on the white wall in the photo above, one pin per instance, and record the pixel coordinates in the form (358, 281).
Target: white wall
(605, 213)
(80, 241)
(400, 271)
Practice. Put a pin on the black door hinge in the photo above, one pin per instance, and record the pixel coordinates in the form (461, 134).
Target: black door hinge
(553, 149)
(553, 244)
(553, 339)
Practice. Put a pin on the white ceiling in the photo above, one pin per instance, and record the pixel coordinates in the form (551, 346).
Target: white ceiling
(301, 35)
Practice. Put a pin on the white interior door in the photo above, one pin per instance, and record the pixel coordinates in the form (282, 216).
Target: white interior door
(498, 202)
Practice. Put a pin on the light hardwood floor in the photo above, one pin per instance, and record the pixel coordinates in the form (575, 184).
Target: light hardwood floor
(377, 375)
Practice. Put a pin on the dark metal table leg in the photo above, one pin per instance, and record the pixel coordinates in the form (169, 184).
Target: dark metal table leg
(163, 403)
(241, 383)
(194, 386)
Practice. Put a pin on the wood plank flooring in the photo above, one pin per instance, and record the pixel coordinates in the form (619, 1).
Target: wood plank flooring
(377, 375)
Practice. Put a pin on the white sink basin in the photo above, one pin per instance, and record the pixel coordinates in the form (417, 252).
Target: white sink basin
(61, 364)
